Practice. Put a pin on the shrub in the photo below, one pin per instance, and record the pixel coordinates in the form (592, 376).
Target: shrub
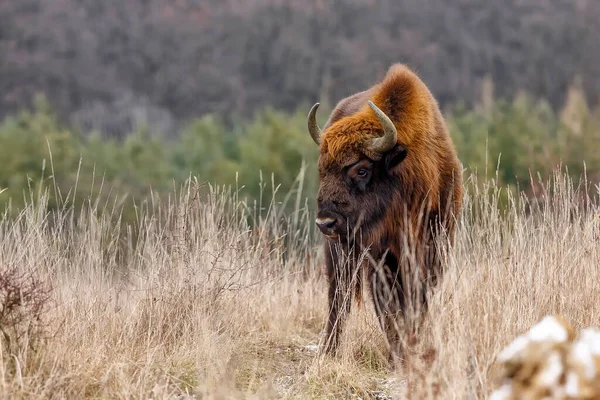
(261, 158)
(24, 301)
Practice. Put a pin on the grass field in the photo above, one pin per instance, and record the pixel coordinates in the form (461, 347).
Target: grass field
(193, 303)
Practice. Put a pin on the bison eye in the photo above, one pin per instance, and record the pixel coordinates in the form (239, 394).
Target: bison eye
(362, 173)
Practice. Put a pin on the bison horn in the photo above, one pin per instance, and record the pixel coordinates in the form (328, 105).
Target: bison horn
(390, 136)
(313, 128)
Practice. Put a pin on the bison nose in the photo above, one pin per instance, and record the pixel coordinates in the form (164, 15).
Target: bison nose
(326, 224)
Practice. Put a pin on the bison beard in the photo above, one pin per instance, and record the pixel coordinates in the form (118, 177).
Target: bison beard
(390, 189)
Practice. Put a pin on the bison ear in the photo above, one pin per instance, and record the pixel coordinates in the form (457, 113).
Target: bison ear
(394, 157)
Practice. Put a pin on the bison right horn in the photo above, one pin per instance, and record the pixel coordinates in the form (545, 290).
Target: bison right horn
(390, 136)
(313, 128)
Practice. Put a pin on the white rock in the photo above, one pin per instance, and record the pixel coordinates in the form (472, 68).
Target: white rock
(514, 348)
(503, 393)
(311, 347)
(552, 371)
(572, 385)
(548, 329)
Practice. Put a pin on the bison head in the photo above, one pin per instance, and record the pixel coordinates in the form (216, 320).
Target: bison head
(358, 156)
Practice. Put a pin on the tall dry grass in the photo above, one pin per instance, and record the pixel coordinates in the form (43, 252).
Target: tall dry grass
(206, 298)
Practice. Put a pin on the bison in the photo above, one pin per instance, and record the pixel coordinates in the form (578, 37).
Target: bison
(390, 189)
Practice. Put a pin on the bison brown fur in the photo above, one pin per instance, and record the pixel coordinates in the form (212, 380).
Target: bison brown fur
(390, 189)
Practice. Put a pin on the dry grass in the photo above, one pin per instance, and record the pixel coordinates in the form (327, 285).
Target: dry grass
(202, 306)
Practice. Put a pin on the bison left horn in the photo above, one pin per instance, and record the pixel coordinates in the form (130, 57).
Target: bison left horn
(390, 136)
(313, 128)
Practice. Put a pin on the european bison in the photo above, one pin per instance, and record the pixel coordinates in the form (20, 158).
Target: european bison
(390, 186)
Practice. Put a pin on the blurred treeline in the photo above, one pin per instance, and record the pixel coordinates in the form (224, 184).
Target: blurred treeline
(110, 65)
(508, 140)
(258, 158)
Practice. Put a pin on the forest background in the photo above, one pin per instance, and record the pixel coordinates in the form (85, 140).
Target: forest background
(135, 96)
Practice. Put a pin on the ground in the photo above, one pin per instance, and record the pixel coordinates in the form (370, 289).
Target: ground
(194, 303)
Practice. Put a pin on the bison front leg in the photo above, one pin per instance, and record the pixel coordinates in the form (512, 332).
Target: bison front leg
(339, 295)
(388, 299)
